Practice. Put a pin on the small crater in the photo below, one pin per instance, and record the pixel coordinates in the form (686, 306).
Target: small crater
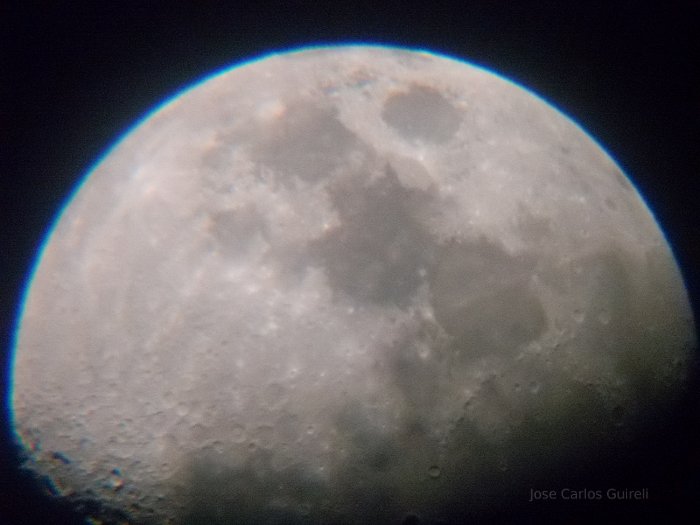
(422, 113)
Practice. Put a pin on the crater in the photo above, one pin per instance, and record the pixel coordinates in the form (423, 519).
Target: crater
(421, 113)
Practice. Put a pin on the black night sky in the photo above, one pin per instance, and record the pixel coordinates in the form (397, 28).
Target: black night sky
(74, 76)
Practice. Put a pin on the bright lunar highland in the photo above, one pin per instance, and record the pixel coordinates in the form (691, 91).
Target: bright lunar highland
(344, 285)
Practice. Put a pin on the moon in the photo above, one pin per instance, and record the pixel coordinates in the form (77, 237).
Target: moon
(347, 284)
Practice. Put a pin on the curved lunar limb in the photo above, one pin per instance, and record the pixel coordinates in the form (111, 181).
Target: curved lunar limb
(344, 285)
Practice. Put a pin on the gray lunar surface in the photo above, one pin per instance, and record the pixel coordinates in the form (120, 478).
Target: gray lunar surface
(343, 285)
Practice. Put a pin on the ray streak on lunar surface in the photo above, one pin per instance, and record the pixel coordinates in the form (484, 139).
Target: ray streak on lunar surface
(343, 285)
